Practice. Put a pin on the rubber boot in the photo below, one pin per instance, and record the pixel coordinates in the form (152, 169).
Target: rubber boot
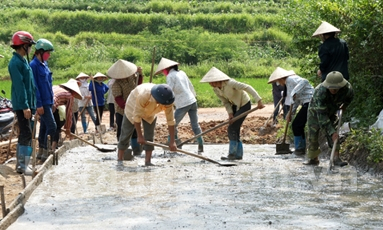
(233, 147)
(200, 145)
(239, 154)
(40, 153)
(45, 155)
(137, 148)
(25, 153)
(300, 145)
(84, 127)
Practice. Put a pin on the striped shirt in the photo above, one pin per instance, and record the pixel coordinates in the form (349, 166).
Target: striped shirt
(63, 97)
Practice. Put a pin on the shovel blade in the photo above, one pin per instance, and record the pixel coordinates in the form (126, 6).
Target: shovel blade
(283, 148)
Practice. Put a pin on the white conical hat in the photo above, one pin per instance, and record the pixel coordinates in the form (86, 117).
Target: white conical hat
(214, 75)
(165, 63)
(72, 85)
(324, 28)
(122, 69)
(82, 75)
(98, 74)
(280, 73)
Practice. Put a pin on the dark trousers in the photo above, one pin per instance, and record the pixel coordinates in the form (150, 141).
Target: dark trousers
(59, 124)
(25, 135)
(99, 110)
(111, 114)
(74, 122)
(300, 121)
(234, 129)
(119, 119)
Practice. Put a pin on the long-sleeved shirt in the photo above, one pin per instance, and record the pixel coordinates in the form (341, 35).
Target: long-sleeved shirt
(121, 90)
(233, 92)
(84, 89)
(334, 55)
(301, 88)
(183, 89)
(23, 85)
(101, 89)
(63, 97)
(141, 105)
(324, 104)
(43, 80)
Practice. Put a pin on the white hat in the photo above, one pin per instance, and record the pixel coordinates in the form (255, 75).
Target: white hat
(72, 85)
(165, 63)
(122, 69)
(324, 28)
(82, 75)
(214, 75)
(98, 74)
(1, 56)
(280, 73)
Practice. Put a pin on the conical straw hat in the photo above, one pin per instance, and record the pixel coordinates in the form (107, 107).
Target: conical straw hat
(122, 69)
(324, 28)
(72, 85)
(280, 73)
(214, 75)
(100, 75)
(82, 75)
(165, 63)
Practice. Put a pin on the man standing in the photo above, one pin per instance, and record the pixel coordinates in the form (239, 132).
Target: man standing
(333, 52)
(333, 94)
(23, 91)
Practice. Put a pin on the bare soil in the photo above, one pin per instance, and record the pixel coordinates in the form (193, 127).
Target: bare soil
(208, 118)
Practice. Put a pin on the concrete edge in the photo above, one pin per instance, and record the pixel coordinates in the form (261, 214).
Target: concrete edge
(16, 208)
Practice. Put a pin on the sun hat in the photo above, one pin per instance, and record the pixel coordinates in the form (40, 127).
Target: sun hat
(214, 75)
(82, 75)
(334, 80)
(72, 85)
(164, 64)
(163, 94)
(325, 28)
(121, 69)
(100, 75)
(280, 73)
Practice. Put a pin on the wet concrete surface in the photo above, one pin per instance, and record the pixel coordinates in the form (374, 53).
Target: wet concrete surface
(87, 190)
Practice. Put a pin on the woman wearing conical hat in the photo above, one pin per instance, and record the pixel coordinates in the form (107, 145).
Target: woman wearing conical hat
(185, 96)
(127, 76)
(235, 97)
(299, 92)
(333, 52)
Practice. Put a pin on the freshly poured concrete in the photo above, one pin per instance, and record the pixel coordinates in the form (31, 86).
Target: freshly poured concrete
(87, 190)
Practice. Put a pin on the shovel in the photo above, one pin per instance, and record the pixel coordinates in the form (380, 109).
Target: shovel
(262, 129)
(218, 126)
(102, 149)
(331, 166)
(284, 148)
(191, 154)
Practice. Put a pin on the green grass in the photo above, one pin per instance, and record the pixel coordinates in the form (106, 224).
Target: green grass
(205, 95)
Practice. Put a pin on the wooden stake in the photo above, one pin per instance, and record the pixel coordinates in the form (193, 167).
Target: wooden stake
(3, 205)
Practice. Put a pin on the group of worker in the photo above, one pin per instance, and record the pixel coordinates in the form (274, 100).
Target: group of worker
(136, 104)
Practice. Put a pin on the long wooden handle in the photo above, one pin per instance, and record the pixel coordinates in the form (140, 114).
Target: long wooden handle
(336, 141)
(85, 105)
(74, 135)
(275, 109)
(151, 70)
(182, 151)
(220, 125)
(287, 123)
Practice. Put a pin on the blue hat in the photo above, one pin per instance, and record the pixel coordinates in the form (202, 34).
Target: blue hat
(163, 94)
